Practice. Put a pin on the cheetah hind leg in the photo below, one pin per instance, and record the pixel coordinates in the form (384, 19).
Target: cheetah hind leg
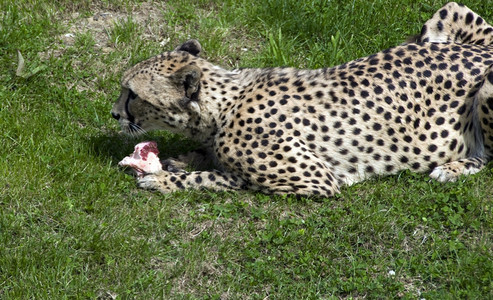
(483, 136)
(453, 170)
(455, 23)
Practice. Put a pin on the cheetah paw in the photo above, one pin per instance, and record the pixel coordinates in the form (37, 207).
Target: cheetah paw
(150, 182)
(450, 172)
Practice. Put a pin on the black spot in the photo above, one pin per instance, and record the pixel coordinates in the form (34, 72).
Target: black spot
(490, 77)
(461, 109)
(443, 14)
(469, 18)
(453, 144)
(419, 64)
(373, 62)
(439, 25)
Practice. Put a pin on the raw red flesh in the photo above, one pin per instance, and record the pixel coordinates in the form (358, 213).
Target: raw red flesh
(144, 159)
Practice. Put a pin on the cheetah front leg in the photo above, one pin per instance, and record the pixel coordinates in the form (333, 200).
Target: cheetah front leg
(167, 182)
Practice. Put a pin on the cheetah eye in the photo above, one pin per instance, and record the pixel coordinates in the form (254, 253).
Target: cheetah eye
(132, 95)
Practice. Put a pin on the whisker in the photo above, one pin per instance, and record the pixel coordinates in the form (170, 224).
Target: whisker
(135, 130)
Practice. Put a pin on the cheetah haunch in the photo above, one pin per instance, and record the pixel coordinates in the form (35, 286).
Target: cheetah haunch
(425, 106)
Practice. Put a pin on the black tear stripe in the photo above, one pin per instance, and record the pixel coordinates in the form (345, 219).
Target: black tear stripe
(131, 96)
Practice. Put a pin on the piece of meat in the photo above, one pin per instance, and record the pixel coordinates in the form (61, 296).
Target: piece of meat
(144, 160)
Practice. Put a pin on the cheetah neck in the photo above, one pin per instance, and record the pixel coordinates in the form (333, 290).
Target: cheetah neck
(220, 90)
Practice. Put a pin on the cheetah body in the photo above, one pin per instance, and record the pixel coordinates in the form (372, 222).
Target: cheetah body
(421, 106)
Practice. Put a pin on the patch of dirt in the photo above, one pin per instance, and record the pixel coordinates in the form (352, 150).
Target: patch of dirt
(148, 15)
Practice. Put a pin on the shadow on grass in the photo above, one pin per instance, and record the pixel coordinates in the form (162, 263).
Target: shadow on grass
(116, 146)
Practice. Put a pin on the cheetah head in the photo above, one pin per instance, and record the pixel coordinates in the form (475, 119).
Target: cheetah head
(161, 92)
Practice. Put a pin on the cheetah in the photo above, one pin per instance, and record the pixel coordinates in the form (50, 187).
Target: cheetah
(423, 106)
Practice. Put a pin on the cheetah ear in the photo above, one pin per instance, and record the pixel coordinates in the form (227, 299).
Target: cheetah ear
(188, 79)
(191, 46)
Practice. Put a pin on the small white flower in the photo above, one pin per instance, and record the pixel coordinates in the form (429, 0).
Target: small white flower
(391, 273)
(164, 42)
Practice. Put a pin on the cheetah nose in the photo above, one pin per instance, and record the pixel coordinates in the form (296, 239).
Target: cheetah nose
(115, 115)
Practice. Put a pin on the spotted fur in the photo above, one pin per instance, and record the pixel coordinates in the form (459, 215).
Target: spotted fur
(425, 106)
(456, 23)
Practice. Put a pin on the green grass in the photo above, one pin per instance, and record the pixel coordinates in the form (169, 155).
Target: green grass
(72, 225)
